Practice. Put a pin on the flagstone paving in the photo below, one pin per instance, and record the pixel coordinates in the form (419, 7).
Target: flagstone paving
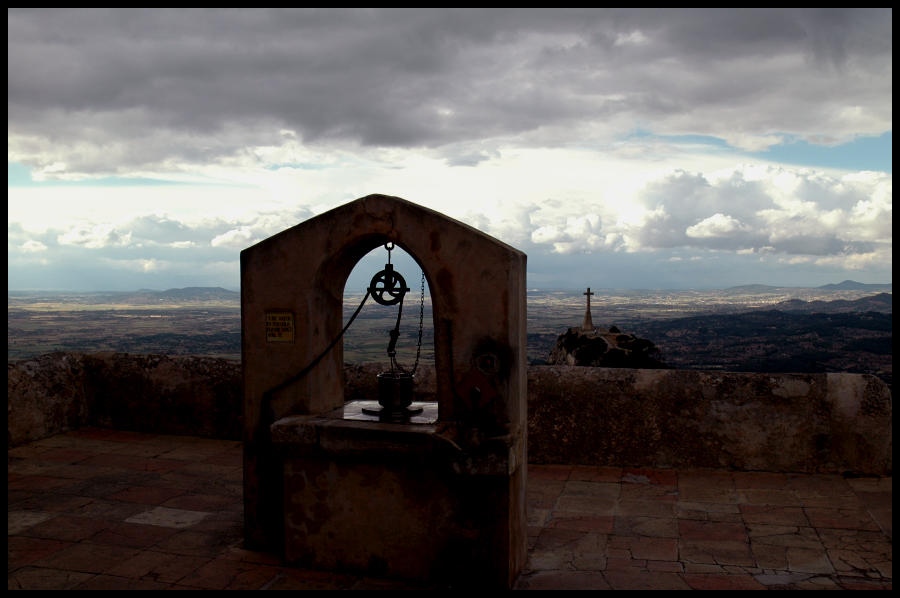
(105, 509)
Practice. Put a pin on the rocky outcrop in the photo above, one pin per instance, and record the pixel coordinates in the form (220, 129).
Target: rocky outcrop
(625, 417)
(610, 349)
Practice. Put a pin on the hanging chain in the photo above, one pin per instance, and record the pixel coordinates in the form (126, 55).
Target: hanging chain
(395, 333)
(421, 320)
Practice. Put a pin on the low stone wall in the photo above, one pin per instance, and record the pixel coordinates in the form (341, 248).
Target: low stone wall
(825, 423)
(678, 418)
(162, 394)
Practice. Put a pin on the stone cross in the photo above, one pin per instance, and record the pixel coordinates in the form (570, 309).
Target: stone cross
(588, 324)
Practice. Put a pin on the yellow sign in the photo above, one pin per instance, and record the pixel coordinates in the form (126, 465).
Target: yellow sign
(279, 327)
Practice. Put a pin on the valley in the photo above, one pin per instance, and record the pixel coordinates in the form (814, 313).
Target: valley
(753, 328)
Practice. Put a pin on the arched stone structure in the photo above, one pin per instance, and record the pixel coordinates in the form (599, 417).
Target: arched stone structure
(443, 501)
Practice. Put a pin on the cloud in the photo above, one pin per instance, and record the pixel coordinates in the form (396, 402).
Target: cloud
(716, 226)
(428, 78)
(94, 237)
(237, 239)
(32, 246)
(163, 141)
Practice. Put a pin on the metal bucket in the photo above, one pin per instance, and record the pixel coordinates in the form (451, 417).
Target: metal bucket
(395, 390)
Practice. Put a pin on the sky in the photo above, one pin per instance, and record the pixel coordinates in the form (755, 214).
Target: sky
(619, 148)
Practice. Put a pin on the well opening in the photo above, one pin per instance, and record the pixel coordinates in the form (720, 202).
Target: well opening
(389, 338)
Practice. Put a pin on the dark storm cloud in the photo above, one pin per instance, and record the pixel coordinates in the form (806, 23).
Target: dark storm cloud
(108, 90)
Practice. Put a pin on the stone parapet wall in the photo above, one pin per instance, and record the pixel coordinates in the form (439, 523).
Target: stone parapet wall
(825, 423)
(57, 392)
(44, 396)
(678, 418)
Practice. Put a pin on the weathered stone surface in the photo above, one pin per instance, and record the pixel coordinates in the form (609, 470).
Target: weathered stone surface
(827, 423)
(199, 396)
(45, 396)
(677, 418)
(146, 393)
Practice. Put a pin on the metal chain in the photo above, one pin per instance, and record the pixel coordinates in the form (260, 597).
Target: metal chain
(421, 321)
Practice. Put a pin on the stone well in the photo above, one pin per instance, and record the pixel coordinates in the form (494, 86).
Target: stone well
(438, 495)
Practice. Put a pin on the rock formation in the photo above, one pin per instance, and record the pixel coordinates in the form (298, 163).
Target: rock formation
(610, 349)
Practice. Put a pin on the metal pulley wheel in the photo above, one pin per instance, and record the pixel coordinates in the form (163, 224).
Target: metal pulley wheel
(388, 286)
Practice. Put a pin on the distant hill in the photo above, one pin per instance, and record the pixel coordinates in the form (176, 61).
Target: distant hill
(777, 340)
(204, 294)
(852, 285)
(847, 285)
(882, 302)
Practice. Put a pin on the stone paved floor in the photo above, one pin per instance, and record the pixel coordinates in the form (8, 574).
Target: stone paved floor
(103, 509)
